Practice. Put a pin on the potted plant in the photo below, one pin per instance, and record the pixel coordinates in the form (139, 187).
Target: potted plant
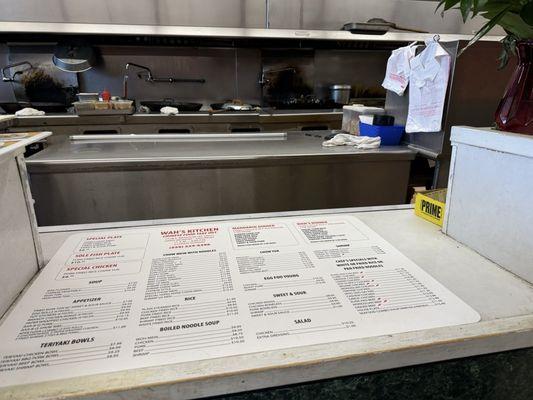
(515, 111)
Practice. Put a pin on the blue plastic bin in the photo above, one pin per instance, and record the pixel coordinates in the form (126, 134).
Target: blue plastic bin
(390, 135)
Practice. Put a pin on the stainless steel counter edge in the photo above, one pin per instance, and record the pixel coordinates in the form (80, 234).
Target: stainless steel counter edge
(402, 154)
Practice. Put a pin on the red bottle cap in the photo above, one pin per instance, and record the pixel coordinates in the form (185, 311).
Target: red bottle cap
(106, 96)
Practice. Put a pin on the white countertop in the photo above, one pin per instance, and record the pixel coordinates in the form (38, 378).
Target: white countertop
(21, 143)
(493, 139)
(504, 301)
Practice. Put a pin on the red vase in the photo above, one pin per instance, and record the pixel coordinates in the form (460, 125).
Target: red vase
(515, 112)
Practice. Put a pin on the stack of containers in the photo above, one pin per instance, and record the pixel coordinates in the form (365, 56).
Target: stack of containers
(351, 114)
(373, 122)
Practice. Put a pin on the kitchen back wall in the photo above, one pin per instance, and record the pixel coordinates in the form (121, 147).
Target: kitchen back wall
(230, 73)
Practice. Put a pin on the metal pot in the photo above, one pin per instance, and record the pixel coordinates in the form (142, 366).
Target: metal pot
(340, 94)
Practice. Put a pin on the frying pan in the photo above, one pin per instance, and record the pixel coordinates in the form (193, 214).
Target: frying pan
(233, 107)
(156, 105)
(47, 107)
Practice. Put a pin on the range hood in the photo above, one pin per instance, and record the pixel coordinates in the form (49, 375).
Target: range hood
(215, 32)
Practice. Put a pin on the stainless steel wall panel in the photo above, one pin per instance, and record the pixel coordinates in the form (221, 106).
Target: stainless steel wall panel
(356, 68)
(229, 73)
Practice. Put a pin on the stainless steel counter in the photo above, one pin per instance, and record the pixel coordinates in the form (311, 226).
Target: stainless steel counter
(76, 183)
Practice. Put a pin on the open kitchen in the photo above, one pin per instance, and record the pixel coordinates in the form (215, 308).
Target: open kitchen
(282, 199)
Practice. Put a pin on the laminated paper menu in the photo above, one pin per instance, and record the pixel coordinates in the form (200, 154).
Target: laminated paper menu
(121, 299)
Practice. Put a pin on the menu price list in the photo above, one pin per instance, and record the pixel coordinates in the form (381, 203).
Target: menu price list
(161, 295)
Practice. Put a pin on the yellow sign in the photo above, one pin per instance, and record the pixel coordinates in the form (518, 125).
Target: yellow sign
(430, 205)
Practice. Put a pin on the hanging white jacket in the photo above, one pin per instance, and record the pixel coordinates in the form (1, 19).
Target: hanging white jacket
(399, 69)
(428, 82)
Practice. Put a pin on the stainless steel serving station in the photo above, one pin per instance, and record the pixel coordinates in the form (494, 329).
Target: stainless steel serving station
(93, 179)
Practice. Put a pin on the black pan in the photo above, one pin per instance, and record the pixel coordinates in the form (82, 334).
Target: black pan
(157, 105)
(12, 108)
(219, 107)
(47, 107)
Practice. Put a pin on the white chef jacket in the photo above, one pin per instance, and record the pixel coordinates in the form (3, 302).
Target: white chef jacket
(399, 69)
(428, 82)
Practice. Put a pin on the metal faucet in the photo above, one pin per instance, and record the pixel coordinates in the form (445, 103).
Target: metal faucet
(152, 79)
(126, 77)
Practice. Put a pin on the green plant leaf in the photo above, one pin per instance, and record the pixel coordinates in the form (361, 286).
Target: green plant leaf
(475, 8)
(508, 49)
(447, 4)
(527, 13)
(485, 29)
(466, 6)
(492, 9)
(513, 23)
(498, 5)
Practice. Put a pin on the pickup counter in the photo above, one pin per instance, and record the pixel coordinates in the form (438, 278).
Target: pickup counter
(504, 302)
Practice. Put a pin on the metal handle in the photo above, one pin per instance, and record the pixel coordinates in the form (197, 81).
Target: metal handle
(151, 79)
(12, 78)
(181, 137)
(175, 80)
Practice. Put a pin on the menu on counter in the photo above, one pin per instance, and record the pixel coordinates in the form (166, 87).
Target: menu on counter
(115, 300)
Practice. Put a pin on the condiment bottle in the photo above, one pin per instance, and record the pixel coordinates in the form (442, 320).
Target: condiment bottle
(106, 96)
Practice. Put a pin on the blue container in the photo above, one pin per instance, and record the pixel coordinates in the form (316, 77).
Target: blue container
(390, 135)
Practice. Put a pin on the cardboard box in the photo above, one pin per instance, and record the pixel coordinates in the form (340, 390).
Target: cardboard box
(431, 205)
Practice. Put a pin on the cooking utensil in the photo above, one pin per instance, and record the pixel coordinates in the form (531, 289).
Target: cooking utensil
(156, 105)
(73, 57)
(340, 94)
